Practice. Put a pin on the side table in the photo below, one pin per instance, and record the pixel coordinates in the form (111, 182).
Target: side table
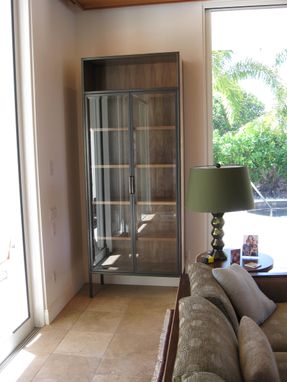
(265, 262)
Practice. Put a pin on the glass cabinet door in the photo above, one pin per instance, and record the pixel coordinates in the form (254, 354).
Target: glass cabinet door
(154, 152)
(110, 215)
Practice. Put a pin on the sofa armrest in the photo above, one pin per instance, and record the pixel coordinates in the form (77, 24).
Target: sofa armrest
(274, 285)
(163, 346)
(183, 291)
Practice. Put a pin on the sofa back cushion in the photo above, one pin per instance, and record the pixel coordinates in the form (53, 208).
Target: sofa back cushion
(206, 343)
(275, 328)
(257, 359)
(203, 377)
(246, 297)
(203, 283)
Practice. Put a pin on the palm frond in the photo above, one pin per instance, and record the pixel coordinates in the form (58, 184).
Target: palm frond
(281, 57)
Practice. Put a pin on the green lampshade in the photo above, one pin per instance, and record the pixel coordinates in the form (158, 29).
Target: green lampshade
(223, 189)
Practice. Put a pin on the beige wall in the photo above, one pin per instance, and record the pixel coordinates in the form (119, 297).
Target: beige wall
(53, 37)
(158, 28)
(61, 36)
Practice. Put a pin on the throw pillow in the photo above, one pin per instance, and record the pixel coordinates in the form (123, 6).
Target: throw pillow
(246, 297)
(257, 359)
(206, 343)
(202, 283)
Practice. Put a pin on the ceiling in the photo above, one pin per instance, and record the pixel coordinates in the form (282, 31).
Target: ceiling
(97, 4)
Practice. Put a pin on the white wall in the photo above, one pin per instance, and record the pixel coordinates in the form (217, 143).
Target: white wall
(157, 28)
(53, 38)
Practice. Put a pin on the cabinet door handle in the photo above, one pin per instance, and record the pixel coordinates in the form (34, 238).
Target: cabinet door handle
(131, 184)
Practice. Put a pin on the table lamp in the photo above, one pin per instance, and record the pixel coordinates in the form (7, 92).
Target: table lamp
(219, 189)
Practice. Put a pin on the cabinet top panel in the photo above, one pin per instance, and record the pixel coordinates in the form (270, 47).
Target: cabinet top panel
(98, 4)
(147, 71)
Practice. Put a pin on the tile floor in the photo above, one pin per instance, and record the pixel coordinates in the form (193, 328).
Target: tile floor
(113, 337)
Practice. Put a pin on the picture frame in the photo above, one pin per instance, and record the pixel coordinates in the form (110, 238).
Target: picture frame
(235, 256)
(250, 245)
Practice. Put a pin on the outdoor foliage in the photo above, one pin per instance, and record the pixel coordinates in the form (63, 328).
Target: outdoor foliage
(244, 133)
(260, 145)
(249, 109)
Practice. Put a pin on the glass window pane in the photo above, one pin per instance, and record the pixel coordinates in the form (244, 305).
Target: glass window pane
(249, 119)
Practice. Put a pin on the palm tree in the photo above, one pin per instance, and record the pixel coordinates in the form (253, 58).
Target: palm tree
(260, 142)
(227, 90)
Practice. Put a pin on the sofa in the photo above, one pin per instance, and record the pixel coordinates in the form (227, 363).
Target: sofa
(226, 326)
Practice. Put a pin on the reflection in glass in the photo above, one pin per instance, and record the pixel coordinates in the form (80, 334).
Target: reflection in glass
(154, 121)
(111, 216)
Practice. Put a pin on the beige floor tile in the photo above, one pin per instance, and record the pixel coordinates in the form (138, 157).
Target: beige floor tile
(143, 307)
(121, 378)
(46, 340)
(79, 303)
(88, 344)
(156, 291)
(134, 366)
(107, 304)
(85, 290)
(127, 291)
(155, 296)
(62, 368)
(101, 322)
(144, 345)
(141, 323)
(114, 299)
(66, 319)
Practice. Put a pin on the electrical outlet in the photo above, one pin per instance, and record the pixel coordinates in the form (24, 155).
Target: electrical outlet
(53, 219)
(51, 167)
(53, 213)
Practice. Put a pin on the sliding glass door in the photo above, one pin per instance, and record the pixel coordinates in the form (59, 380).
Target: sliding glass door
(15, 318)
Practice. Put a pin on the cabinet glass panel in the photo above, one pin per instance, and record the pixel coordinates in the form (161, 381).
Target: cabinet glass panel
(154, 134)
(109, 161)
(156, 238)
(156, 256)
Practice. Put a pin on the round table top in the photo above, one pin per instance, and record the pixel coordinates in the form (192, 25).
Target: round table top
(262, 262)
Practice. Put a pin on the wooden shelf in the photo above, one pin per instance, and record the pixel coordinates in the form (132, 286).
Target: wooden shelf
(139, 128)
(112, 202)
(126, 237)
(150, 71)
(157, 238)
(156, 202)
(109, 129)
(158, 165)
(143, 128)
(147, 237)
(119, 166)
(139, 203)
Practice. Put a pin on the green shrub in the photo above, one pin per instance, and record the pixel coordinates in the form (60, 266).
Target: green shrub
(261, 145)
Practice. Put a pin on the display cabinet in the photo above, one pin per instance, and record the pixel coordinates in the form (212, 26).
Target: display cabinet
(132, 135)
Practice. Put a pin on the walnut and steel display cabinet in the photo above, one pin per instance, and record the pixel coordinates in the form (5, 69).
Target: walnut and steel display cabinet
(132, 135)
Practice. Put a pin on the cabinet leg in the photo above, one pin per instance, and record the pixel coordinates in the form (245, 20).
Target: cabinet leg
(91, 290)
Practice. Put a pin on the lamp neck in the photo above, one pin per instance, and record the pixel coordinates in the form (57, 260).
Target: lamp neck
(217, 233)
